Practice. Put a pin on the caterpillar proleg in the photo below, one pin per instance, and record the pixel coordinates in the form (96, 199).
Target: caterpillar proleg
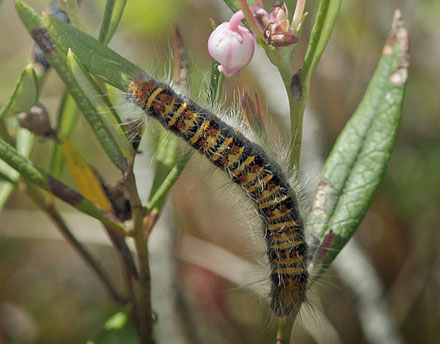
(248, 165)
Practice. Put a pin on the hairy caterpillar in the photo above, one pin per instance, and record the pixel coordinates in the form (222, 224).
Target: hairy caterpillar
(244, 162)
(247, 165)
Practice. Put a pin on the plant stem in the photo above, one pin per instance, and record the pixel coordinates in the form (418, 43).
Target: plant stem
(322, 29)
(284, 329)
(61, 225)
(144, 285)
(248, 14)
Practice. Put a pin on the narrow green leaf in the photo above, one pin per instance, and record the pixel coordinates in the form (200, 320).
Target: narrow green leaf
(321, 32)
(157, 199)
(322, 29)
(104, 122)
(359, 158)
(30, 19)
(25, 93)
(112, 16)
(215, 84)
(67, 118)
(68, 112)
(5, 176)
(37, 176)
(25, 142)
(166, 157)
(72, 10)
(7, 173)
(57, 59)
(94, 56)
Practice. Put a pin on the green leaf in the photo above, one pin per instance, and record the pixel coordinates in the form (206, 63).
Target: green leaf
(28, 16)
(359, 158)
(112, 16)
(68, 113)
(25, 142)
(72, 10)
(25, 93)
(94, 56)
(7, 173)
(322, 29)
(37, 176)
(57, 59)
(215, 84)
(166, 157)
(321, 32)
(103, 120)
(157, 199)
(5, 176)
(67, 118)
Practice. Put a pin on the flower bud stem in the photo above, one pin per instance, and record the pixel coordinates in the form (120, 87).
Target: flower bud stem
(236, 18)
(297, 16)
(248, 14)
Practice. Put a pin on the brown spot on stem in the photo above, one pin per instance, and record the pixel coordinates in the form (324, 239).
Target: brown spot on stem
(43, 39)
(295, 85)
(63, 191)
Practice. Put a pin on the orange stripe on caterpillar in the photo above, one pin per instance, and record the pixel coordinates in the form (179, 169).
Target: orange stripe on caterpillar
(248, 165)
(225, 145)
(176, 115)
(281, 225)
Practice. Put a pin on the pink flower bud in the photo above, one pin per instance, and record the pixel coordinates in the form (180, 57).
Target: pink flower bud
(231, 45)
(276, 26)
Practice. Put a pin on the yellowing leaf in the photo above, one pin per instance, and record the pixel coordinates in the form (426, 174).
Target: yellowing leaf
(84, 176)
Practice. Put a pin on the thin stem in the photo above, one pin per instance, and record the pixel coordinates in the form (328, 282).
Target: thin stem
(284, 329)
(297, 16)
(248, 14)
(106, 21)
(133, 299)
(61, 225)
(144, 285)
(322, 29)
(236, 18)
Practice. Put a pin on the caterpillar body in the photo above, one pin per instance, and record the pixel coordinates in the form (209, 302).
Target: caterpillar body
(248, 165)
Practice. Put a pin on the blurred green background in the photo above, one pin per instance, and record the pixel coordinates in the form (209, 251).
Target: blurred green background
(47, 295)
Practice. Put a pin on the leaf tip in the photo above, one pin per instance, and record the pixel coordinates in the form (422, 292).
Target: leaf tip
(29, 68)
(18, 3)
(399, 36)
